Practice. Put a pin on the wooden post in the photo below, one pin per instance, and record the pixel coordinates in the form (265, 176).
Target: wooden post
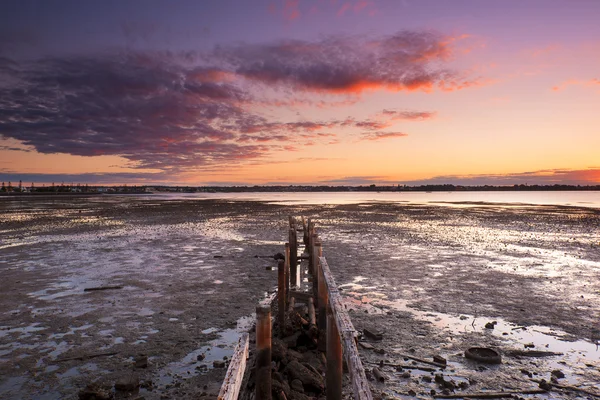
(263, 356)
(293, 256)
(334, 359)
(315, 269)
(321, 290)
(281, 296)
(304, 232)
(235, 373)
(310, 245)
(287, 275)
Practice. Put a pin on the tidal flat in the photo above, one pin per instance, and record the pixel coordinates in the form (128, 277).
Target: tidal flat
(186, 281)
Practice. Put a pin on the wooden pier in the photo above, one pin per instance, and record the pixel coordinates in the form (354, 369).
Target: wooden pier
(301, 279)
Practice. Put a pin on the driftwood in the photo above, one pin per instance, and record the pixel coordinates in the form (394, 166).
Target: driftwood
(86, 356)
(488, 395)
(435, 364)
(569, 388)
(94, 289)
(532, 353)
(404, 366)
(378, 374)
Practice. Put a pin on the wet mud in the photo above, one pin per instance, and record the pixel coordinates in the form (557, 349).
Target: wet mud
(428, 277)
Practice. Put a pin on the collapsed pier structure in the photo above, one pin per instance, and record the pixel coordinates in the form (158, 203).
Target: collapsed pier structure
(309, 315)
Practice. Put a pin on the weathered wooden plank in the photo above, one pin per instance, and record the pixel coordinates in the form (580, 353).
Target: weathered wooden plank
(348, 335)
(281, 296)
(360, 385)
(302, 296)
(235, 373)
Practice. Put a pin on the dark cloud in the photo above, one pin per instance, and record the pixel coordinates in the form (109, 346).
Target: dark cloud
(187, 111)
(406, 60)
(156, 113)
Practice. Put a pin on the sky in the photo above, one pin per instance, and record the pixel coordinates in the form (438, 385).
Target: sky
(280, 92)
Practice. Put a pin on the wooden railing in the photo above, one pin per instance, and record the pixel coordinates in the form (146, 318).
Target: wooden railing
(337, 336)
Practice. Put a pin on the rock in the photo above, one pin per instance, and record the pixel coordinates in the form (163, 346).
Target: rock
(439, 360)
(366, 345)
(291, 341)
(558, 374)
(426, 378)
(201, 357)
(412, 393)
(372, 334)
(297, 386)
(298, 396)
(525, 372)
(141, 361)
(219, 364)
(407, 375)
(278, 350)
(127, 384)
(529, 345)
(490, 325)
(379, 351)
(545, 385)
(94, 392)
(278, 386)
(463, 317)
(310, 380)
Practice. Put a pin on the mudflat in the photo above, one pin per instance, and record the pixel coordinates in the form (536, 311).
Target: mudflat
(179, 279)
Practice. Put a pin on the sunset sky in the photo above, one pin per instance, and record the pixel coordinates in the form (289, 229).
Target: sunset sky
(204, 92)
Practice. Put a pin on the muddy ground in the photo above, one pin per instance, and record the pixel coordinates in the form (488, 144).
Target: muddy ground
(429, 277)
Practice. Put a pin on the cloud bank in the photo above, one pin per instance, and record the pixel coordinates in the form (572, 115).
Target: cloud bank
(180, 112)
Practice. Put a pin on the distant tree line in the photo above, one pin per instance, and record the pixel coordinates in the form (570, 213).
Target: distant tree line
(124, 189)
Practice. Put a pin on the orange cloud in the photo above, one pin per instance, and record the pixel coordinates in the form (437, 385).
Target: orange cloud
(576, 82)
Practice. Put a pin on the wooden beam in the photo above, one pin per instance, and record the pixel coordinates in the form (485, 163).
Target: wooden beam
(235, 373)
(348, 335)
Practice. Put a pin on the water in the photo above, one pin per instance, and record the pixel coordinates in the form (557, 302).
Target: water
(567, 198)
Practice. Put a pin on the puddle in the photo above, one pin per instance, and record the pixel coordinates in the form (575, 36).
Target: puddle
(201, 359)
(577, 355)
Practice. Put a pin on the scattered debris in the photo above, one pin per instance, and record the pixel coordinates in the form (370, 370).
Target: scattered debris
(127, 384)
(484, 355)
(372, 334)
(531, 353)
(87, 356)
(378, 374)
(95, 289)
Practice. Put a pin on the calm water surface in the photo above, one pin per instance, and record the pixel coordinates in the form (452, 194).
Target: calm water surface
(579, 199)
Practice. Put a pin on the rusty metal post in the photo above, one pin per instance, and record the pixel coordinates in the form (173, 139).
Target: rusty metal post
(333, 375)
(281, 296)
(263, 355)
